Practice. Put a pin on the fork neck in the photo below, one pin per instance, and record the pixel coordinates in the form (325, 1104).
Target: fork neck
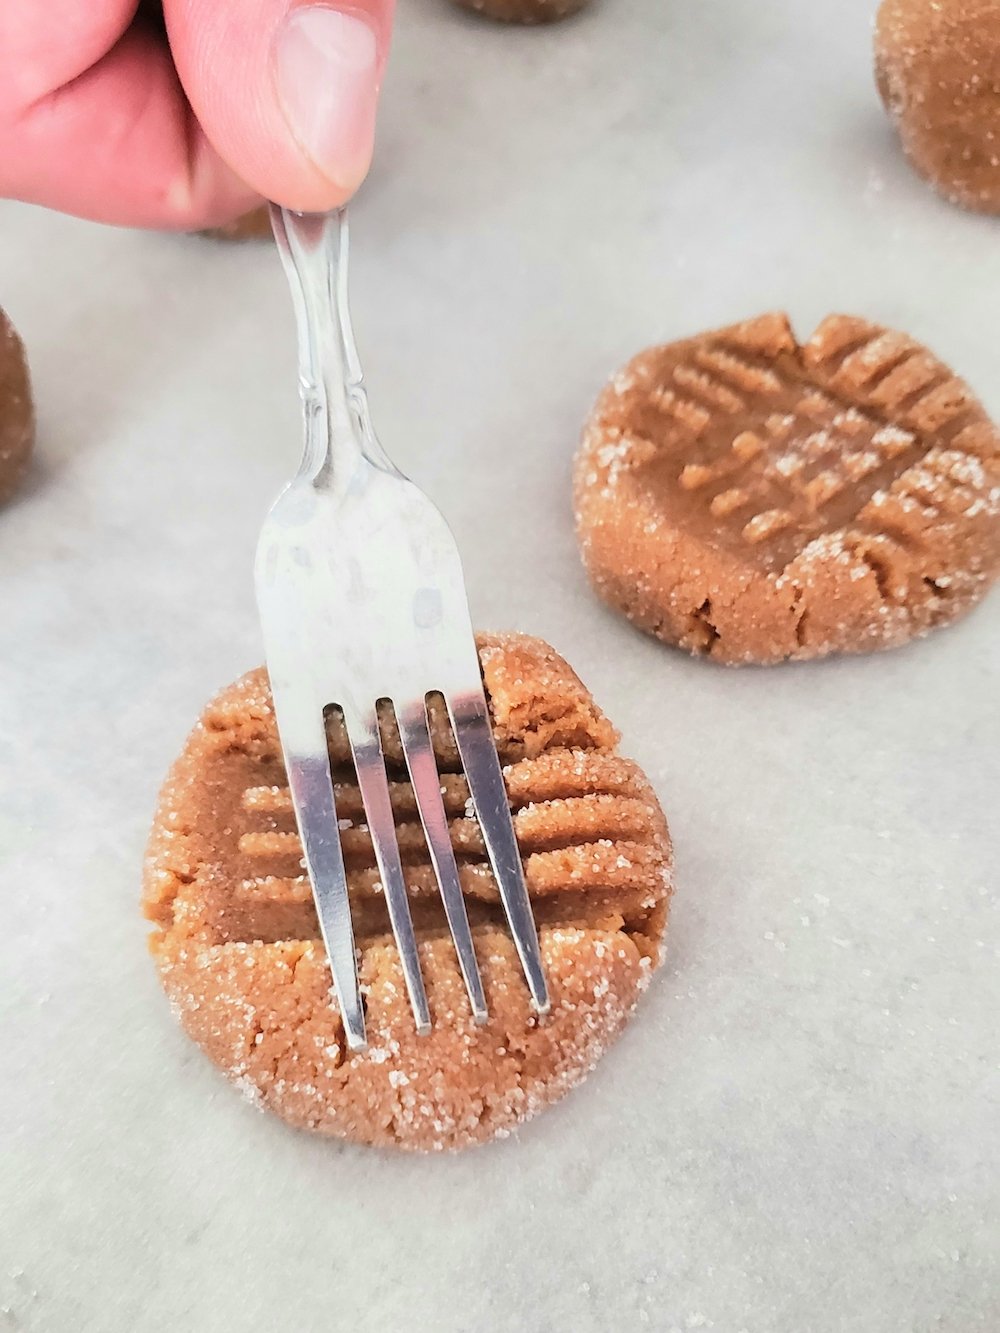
(338, 433)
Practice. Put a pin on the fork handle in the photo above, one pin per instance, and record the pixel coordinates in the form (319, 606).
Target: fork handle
(338, 434)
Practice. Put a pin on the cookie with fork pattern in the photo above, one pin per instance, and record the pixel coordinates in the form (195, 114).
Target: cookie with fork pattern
(752, 499)
(237, 940)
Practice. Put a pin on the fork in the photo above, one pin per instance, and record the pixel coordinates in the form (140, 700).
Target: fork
(362, 601)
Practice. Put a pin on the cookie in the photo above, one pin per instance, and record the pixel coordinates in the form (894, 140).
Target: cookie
(937, 65)
(524, 11)
(252, 226)
(237, 941)
(17, 411)
(752, 499)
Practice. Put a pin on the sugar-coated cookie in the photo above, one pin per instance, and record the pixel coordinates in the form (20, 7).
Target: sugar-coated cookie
(238, 946)
(753, 499)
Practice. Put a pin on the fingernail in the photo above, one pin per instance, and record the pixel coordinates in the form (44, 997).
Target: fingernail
(327, 76)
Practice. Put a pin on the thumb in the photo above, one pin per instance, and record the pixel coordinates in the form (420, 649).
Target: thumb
(286, 92)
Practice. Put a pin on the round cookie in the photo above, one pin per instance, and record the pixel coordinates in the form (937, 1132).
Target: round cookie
(252, 226)
(755, 500)
(17, 411)
(937, 65)
(524, 11)
(237, 940)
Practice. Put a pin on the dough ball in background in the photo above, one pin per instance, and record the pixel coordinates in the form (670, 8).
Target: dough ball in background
(524, 11)
(937, 64)
(17, 410)
(252, 226)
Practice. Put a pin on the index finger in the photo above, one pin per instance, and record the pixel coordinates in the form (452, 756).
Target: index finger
(94, 121)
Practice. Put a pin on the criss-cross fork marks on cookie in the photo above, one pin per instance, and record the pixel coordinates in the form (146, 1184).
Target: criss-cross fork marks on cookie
(755, 500)
(759, 446)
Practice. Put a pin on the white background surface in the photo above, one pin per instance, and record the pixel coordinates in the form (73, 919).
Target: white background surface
(799, 1132)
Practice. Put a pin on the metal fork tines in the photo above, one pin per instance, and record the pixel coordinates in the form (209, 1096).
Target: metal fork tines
(363, 603)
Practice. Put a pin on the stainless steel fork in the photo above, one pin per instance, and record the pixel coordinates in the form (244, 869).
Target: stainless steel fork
(362, 599)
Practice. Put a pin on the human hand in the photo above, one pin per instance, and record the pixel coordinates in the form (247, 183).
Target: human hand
(101, 115)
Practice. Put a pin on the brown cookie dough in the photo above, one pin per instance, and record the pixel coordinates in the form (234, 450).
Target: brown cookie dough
(524, 11)
(252, 226)
(753, 500)
(17, 412)
(937, 65)
(237, 941)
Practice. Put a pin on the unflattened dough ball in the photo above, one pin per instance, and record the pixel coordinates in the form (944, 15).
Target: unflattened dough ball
(238, 946)
(252, 226)
(937, 64)
(17, 412)
(752, 499)
(524, 11)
